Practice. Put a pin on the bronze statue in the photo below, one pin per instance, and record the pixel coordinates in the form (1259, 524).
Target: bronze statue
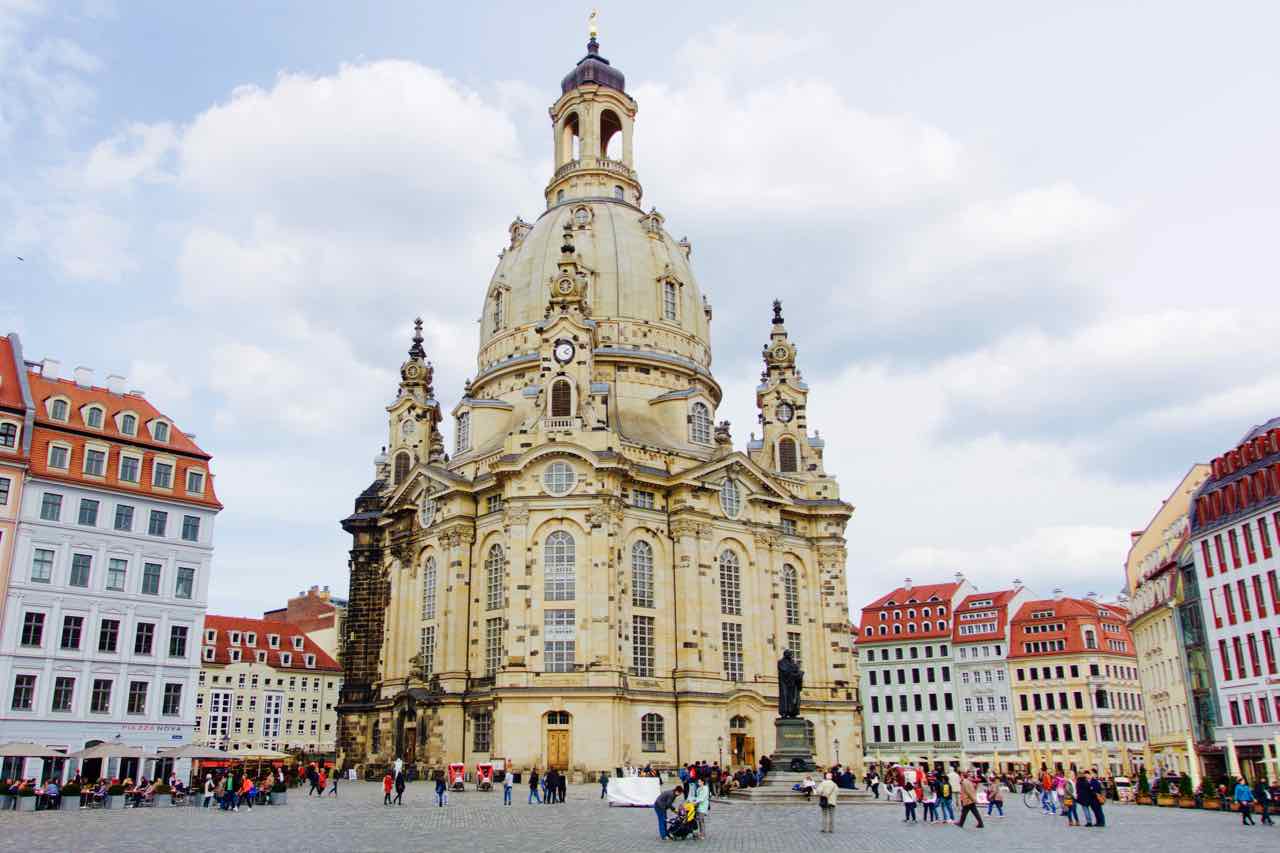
(790, 682)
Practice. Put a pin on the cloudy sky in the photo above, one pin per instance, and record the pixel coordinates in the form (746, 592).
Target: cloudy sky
(1027, 250)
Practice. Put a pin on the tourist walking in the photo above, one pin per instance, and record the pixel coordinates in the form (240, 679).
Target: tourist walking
(969, 801)
(399, 799)
(333, 782)
(995, 797)
(827, 793)
(208, 790)
(441, 788)
(1263, 797)
(1084, 797)
(313, 776)
(507, 777)
(666, 802)
(533, 786)
(873, 782)
(1244, 801)
(909, 802)
(604, 784)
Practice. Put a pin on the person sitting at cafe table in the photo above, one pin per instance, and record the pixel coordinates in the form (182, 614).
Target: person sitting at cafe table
(52, 796)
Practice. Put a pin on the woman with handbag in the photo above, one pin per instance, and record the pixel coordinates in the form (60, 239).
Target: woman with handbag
(827, 793)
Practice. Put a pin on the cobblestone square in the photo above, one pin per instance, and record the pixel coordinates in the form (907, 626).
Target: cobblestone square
(357, 821)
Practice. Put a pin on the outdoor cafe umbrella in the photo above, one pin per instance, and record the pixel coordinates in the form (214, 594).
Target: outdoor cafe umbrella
(109, 750)
(195, 752)
(26, 749)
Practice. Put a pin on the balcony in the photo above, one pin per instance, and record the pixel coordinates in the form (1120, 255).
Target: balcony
(550, 424)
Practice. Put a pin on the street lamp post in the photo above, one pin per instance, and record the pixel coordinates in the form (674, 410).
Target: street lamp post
(836, 743)
(720, 749)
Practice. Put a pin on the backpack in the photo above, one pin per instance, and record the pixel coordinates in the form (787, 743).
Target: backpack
(946, 789)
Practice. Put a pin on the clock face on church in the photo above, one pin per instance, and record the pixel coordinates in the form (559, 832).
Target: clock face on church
(563, 352)
(785, 412)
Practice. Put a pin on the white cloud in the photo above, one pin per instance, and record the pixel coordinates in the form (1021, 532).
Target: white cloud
(136, 153)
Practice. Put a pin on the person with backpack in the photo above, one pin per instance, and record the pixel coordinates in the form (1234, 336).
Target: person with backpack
(399, 798)
(946, 794)
(1262, 796)
(1243, 796)
(441, 788)
(827, 792)
(533, 786)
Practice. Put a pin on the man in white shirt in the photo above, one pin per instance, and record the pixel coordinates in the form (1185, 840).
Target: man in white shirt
(827, 793)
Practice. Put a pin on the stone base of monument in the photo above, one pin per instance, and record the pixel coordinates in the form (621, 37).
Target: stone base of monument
(792, 752)
(793, 746)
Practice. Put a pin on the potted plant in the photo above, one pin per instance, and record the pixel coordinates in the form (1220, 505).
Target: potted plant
(1185, 798)
(1163, 795)
(1144, 789)
(26, 799)
(115, 797)
(70, 796)
(164, 794)
(279, 794)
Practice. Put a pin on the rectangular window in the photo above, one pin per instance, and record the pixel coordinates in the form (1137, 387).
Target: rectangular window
(51, 507)
(191, 528)
(159, 521)
(64, 689)
(124, 517)
(493, 642)
(95, 463)
(81, 564)
(669, 301)
(1248, 544)
(558, 641)
(177, 641)
(1238, 648)
(144, 638)
(793, 643)
(59, 457)
(172, 704)
(482, 730)
(1244, 600)
(1230, 602)
(108, 635)
(1254, 662)
(195, 482)
(642, 645)
(1269, 651)
(1234, 540)
(130, 466)
(100, 697)
(117, 570)
(731, 647)
(5, 485)
(1265, 536)
(71, 629)
(186, 583)
(33, 630)
(151, 578)
(88, 512)
(162, 475)
(493, 503)
(427, 652)
(1258, 598)
(24, 692)
(137, 697)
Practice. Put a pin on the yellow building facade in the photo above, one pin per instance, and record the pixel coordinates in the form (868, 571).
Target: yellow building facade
(1155, 591)
(595, 576)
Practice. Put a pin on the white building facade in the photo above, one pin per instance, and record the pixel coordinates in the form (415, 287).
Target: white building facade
(106, 601)
(984, 692)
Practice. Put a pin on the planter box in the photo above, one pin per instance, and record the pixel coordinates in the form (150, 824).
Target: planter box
(1166, 800)
(26, 804)
(1212, 803)
(1186, 802)
(1143, 800)
(70, 802)
(113, 801)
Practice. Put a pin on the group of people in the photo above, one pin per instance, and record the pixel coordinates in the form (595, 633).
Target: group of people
(318, 777)
(235, 788)
(48, 795)
(694, 810)
(1264, 795)
(552, 785)
(1082, 796)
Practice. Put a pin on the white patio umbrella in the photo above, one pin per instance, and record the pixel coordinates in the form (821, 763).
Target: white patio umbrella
(26, 749)
(110, 750)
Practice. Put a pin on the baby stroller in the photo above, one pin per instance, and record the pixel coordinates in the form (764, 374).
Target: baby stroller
(685, 822)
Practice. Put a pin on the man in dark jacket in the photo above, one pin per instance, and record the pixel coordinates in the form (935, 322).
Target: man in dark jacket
(562, 785)
(1262, 796)
(666, 802)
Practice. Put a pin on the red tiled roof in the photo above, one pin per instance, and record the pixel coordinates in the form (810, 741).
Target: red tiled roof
(10, 385)
(894, 606)
(1073, 614)
(224, 625)
(999, 602)
(77, 433)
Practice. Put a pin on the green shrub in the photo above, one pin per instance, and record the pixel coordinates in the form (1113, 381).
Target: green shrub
(279, 788)
(26, 791)
(1184, 786)
(71, 789)
(116, 790)
(163, 788)
(1144, 787)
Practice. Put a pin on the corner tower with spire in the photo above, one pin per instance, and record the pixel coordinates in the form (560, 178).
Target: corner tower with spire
(782, 399)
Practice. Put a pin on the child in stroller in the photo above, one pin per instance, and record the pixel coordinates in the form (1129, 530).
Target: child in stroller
(685, 822)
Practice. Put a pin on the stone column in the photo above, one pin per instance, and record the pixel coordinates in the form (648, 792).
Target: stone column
(685, 595)
(520, 599)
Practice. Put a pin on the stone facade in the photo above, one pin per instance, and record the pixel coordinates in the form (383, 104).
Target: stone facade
(595, 576)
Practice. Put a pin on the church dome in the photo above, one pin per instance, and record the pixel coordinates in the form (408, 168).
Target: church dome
(593, 68)
(641, 291)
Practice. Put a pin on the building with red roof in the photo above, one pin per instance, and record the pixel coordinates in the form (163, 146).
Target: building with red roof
(1078, 699)
(111, 561)
(265, 685)
(16, 414)
(980, 648)
(905, 663)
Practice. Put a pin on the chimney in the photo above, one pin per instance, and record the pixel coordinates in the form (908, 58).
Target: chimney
(1092, 596)
(51, 368)
(136, 392)
(959, 577)
(115, 383)
(1017, 583)
(1057, 594)
(84, 376)
(906, 584)
(326, 587)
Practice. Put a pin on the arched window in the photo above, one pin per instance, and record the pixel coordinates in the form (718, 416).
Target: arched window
(897, 629)
(642, 574)
(401, 467)
(610, 135)
(670, 302)
(791, 593)
(787, 463)
(494, 565)
(429, 589)
(129, 424)
(571, 138)
(559, 196)
(942, 626)
(619, 193)
(730, 584)
(1090, 639)
(561, 399)
(558, 478)
(911, 627)
(883, 631)
(700, 424)
(738, 724)
(559, 563)
(462, 439)
(497, 310)
(730, 497)
(93, 417)
(869, 631)
(58, 411)
(652, 733)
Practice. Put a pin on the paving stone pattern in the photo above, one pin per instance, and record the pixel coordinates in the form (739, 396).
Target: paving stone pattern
(357, 821)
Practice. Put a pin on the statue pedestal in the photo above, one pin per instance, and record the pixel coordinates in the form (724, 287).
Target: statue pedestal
(792, 744)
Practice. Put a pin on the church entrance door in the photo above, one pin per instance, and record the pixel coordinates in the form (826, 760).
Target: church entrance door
(558, 749)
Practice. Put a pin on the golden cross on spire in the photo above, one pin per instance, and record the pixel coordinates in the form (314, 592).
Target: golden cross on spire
(592, 29)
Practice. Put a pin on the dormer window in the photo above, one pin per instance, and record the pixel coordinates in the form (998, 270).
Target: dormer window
(60, 456)
(286, 659)
(273, 640)
(211, 636)
(235, 656)
(310, 661)
(208, 654)
(195, 482)
(58, 410)
(160, 431)
(262, 657)
(235, 638)
(462, 437)
(251, 639)
(93, 417)
(297, 643)
(700, 424)
(129, 424)
(162, 475)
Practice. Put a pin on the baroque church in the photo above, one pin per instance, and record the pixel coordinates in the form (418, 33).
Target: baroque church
(594, 576)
